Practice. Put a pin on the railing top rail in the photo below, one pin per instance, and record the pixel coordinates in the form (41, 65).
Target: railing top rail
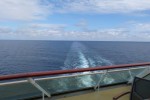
(58, 72)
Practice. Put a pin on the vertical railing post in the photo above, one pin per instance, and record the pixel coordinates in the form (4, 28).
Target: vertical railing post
(97, 86)
(43, 96)
(131, 76)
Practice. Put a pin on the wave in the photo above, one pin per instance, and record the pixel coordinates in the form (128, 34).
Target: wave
(81, 56)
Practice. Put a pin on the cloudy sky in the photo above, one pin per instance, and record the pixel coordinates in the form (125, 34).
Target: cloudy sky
(95, 20)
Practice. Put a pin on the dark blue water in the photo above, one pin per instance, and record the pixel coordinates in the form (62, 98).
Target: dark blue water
(31, 56)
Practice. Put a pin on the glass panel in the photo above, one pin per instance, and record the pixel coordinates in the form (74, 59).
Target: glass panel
(27, 90)
(115, 77)
(135, 72)
(147, 77)
(69, 84)
(120, 76)
(18, 91)
(86, 81)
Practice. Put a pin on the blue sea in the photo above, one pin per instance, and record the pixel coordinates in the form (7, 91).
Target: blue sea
(20, 56)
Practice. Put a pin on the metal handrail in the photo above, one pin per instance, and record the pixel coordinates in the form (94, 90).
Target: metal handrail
(58, 72)
(70, 75)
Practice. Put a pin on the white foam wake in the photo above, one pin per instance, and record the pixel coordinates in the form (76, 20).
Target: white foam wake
(80, 56)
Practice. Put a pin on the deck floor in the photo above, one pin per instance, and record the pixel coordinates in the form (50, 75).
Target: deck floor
(106, 94)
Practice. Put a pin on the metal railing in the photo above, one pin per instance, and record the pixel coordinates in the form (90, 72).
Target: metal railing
(103, 70)
(58, 72)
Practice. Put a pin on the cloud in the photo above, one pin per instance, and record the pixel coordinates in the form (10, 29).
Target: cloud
(29, 10)
(58, 32)
(83, 25)
(33, 31)
(38, 31)
(100, 6)
(23, 10)
(5, 30)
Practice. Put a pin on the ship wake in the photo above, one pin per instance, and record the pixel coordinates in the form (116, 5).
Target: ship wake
(80, 56)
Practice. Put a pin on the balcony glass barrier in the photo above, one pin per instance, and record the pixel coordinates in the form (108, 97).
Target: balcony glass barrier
(67, 82)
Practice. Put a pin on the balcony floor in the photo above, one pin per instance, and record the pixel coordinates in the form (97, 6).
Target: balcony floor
(104, 94)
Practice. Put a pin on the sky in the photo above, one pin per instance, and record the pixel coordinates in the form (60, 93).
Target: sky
(87, 20)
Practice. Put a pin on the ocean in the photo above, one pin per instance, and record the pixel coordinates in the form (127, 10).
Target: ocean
(21, 56)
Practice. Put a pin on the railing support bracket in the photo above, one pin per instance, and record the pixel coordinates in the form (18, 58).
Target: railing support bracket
(32, 81)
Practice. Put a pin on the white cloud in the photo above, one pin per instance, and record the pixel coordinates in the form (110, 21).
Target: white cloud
(23, 10)
(5, 30)
(46, 26)
(26, 10)
(39, 31)
(83, 25)
(138, 32)
(142, 27)
(101, 6)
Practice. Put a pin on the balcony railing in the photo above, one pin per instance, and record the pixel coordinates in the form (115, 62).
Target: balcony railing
(29, 85)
